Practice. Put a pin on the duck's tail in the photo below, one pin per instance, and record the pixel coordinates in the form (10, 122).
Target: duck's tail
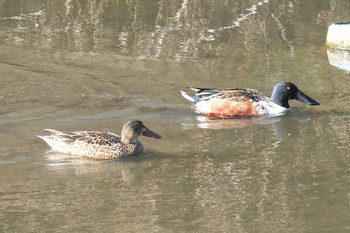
(54, 141)
(192, 98)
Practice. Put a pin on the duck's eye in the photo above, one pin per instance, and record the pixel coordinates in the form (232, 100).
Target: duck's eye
(288, 88)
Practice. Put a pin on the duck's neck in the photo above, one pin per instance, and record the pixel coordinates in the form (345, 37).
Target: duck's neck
(280, 99)
(128, 140)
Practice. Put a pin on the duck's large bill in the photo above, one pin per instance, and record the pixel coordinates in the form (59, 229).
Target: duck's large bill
(302, 97)
(150, 133)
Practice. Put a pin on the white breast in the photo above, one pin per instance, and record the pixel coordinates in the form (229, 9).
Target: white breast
(270, 108)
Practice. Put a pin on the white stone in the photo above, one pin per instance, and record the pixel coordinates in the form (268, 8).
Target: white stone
(338, 36)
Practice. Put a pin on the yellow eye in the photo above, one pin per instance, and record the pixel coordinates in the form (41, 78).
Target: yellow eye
(288, 88)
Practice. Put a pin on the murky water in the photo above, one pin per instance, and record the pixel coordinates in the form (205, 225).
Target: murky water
(76, 65)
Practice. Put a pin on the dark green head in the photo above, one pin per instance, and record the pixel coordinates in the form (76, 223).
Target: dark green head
(283, 92)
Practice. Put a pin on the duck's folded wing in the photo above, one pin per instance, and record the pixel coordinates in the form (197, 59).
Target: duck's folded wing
(237, 94)
(90, 137)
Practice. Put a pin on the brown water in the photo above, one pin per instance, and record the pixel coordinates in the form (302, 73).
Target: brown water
(76, 65)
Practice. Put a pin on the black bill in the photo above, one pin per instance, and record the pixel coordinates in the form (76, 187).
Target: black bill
(306, 99)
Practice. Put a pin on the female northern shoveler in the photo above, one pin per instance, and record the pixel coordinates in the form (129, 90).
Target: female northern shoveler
(243, 102)
(100, 145)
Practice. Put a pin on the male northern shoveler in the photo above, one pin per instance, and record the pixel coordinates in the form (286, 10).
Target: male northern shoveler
(244, 102)
(100, 145)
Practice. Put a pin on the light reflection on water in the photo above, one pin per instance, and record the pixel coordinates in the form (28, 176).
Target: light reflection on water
(79, 65)
(222, 178)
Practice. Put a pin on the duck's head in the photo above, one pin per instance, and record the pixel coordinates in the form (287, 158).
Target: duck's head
(132, 129)
(283, 92)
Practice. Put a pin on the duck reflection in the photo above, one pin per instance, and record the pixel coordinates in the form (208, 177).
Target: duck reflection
(130, 170)
(204, 122)
(284, 127)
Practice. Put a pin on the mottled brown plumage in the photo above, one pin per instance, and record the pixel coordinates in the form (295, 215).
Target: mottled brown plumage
(100, 145)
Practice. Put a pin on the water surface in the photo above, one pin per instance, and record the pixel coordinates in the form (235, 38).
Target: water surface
(76, 65)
